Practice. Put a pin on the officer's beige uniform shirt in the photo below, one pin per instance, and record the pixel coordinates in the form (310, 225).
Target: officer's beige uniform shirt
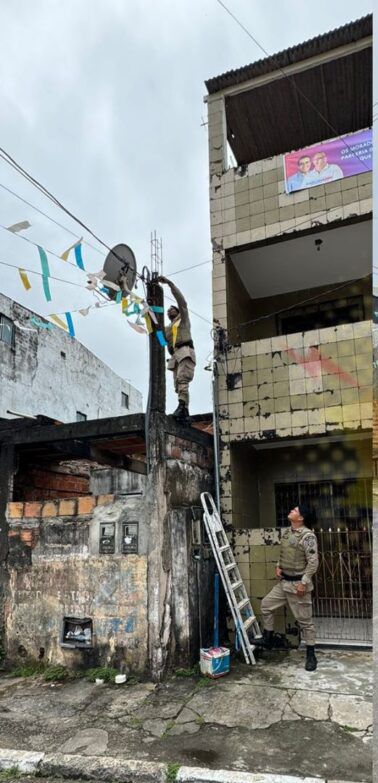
(284, 593)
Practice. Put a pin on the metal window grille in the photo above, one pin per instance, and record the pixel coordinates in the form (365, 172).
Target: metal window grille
(6, 330)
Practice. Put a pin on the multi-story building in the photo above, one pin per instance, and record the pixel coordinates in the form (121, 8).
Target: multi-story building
(291, 235)
(48, 373)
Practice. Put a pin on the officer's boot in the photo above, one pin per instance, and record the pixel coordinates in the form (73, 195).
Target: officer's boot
(311, 661)
(266, 641)
(179, 413)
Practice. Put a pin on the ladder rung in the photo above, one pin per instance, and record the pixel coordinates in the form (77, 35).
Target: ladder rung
(229, 566)
(243, 603)
(235, 585)
(223, 548)
(249, 622)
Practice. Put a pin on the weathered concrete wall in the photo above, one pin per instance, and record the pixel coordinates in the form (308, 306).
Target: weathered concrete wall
(56, 570)
(117, 481)
(145, 607)
(36, 378)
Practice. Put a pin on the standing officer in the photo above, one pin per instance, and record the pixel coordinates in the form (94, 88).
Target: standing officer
(297, 564)
(181, 349)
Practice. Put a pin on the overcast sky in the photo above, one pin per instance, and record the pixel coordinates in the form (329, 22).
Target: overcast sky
(102, 101)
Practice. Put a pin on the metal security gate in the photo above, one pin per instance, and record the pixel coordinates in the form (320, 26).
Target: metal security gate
(343, 525)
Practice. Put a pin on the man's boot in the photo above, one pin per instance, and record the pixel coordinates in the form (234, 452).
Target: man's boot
(181, 413)
(311, 661)
(266, 642)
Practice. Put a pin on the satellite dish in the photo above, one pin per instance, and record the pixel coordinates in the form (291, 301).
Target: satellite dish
(120, 268)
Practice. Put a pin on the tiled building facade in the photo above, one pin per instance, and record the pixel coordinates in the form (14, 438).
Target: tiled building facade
(292, 302)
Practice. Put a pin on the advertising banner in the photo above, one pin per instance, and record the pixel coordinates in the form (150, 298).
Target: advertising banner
(329, 161)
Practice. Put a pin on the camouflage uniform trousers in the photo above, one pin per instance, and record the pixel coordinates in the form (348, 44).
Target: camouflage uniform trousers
(183, 374)
(283, 594)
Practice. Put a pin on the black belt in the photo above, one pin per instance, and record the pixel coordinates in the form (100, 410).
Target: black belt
(188, 344)
(287, 578)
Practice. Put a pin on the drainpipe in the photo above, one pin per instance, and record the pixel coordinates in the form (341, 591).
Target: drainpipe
(216, 433)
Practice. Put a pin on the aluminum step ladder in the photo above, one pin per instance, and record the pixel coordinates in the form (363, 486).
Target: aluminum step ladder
(240, 605)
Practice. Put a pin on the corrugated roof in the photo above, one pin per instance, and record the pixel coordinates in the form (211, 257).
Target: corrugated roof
(341, 36)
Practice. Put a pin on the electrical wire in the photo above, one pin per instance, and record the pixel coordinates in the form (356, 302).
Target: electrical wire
(65, 228)
(187, 268)
(33, 272)
(51, 252)
(293, 82)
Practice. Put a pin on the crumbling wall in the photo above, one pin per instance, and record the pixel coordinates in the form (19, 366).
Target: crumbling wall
(189, 472)
(43, 362)
(57, 570)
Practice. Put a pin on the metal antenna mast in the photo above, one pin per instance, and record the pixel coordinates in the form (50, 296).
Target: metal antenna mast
(156, 255)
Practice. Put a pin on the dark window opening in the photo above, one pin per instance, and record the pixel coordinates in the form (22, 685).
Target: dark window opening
(6, 330)
(125, 400)
(335, 504)
(81, 416)
(319, 316)
(63, 355)
(77, 632)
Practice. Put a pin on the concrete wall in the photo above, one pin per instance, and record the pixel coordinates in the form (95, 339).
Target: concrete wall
(307, 383)
(146, 607)
(37, 379)
(56, 570)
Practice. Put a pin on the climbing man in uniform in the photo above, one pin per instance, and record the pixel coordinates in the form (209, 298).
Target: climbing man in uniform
(180, 346)
(297, 564)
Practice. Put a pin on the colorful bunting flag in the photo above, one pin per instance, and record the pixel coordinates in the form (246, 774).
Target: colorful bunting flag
(45, 273)
(66, 253)
(148, 323)
(111, 285)
(24, 328)
(42, 324)
(119, 297)
(161, 338)
(70, 325)
(137, 328)
(24, 279)
(16, 227)
(58, 321)
(157, 309)
(78, 257)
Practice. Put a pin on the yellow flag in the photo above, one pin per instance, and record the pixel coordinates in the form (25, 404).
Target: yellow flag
(24, 279)
(66, 253)
(59, 322)
(148, 323)
(125, 304)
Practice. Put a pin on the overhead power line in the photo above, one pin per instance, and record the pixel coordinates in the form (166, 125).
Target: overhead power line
(292, 81)
(33, 206)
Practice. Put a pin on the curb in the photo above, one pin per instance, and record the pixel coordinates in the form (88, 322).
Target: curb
(116, 770)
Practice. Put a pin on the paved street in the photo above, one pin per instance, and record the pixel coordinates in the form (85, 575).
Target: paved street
(274, 717)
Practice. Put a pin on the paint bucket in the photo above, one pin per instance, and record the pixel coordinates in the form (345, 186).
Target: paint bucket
(214, 661)
(120, 679)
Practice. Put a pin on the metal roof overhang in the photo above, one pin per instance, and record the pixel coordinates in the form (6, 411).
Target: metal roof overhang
(268, 114)
(276, 118)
